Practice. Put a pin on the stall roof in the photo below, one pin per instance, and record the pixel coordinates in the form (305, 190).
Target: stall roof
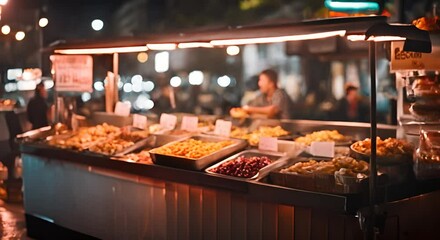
(287, 31)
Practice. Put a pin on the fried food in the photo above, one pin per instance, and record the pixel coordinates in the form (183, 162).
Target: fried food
(427, 23)
(238, 132)
(191, 148)
(347, 166)
(238, 113)
(111, 147)
(134, 136)
(155, 128)
(87, 136)
(388, 148)
(103, 138)
(263, 131)
(142, 157)
(322, 136)
(119, 142)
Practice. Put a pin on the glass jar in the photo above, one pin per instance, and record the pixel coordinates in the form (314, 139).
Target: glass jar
(424, 92)
(427, 155)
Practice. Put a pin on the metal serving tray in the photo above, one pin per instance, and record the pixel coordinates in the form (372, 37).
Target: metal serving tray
(152, 141)
(328, 183)
(277, 159)
(36, 134)
(200, 163)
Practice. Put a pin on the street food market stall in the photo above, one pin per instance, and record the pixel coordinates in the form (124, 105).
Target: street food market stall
(228, 183)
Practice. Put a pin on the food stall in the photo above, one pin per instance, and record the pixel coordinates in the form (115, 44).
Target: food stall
(85, 184)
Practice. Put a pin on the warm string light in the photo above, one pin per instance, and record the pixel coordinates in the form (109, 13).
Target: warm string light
(103, 50)
(355, 38)
(162, 46)
(244, 41)
(195, 45)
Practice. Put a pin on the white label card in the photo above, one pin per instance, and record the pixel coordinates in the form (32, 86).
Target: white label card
(222, 128)
(268, 144)
(139, 121)
(323, 149)
(190, 123)
(168, 121)
(123, 109)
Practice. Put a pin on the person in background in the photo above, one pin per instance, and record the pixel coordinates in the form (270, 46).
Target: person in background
(164, 101)
(272, 102)
(251, 90)
(37, 109)
(352, 107)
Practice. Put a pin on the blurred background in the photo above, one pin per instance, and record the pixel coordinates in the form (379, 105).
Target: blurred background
(203, 81)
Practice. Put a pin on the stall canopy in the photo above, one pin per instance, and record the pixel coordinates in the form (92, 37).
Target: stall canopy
(231, 35)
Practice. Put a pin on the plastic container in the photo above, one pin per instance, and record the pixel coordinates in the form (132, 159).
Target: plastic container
(427, 155)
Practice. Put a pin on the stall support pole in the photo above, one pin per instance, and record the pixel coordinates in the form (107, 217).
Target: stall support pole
(371, 222)
(116, 72)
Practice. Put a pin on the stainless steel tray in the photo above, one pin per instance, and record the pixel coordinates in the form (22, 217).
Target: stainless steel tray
(200, 163)
(152, 141)
(157, 140)
(35, 135)
(277, 159)
(133, 147)
(320, 182)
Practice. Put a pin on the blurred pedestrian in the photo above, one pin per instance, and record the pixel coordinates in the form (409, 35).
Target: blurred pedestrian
(37, 110)
(352, 107)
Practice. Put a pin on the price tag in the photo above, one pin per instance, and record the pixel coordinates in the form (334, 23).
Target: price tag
(222, 128)
(268, 144)
(190, 123)
(123, 109)
(139, 121)
(322, 149)
(167, 121)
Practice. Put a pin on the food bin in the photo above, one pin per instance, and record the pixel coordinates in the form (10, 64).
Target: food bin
(277, 159)
(318, 182)
(397, 167)
(152, 141)
(199, 163)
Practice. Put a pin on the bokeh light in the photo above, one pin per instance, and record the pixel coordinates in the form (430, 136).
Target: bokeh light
(97, 24)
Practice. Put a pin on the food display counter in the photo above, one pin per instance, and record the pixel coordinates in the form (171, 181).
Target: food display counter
(81, 194)
(76, 191)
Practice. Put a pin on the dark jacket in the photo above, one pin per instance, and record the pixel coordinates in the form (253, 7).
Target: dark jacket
(37, 112)
(341, 112)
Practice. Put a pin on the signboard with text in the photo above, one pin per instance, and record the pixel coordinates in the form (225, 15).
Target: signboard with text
(411, 61)
(73, 73)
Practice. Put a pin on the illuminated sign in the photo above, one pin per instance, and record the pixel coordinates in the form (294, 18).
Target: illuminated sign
(352, 6)
(73, 73)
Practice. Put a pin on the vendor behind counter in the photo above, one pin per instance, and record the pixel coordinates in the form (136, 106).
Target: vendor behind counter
(272, 102)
